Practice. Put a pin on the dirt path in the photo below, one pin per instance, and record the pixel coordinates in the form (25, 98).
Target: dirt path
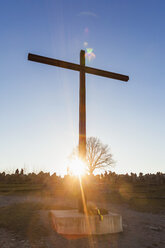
(141, 230)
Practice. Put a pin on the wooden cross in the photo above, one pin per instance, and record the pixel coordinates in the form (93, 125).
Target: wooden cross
(82, 95)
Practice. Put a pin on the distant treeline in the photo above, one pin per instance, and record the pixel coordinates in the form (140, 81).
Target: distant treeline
(107, 178)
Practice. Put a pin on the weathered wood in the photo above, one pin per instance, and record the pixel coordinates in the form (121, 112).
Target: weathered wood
(107, 74)
(82, 109)
(76, 67)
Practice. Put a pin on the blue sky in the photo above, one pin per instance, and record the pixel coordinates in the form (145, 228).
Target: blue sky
(39, 103)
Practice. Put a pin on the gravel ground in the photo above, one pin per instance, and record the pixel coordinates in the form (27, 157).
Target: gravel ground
(141, 230)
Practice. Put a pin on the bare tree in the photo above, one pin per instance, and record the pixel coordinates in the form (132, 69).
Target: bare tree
(98, 155)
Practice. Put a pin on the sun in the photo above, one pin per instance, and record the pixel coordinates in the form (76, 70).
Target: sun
(77, 167)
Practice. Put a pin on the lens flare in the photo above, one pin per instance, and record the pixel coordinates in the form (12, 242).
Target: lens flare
(77, 167)
(89, 50)
(86, 30)
(85, 43)
(89, 54)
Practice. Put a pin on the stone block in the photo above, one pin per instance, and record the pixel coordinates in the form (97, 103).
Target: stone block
(71, 222)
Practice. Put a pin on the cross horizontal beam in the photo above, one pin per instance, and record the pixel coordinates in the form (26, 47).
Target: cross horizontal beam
(76, 67)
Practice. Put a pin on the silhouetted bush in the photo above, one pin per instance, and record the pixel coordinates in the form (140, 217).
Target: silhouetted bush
(108, 178)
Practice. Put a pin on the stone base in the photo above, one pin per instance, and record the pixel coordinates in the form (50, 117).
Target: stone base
(71, 222)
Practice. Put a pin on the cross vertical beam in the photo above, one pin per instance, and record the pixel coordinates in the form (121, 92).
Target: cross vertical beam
(82, 108)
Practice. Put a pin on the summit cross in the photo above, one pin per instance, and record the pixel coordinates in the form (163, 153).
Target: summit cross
(82, 90)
